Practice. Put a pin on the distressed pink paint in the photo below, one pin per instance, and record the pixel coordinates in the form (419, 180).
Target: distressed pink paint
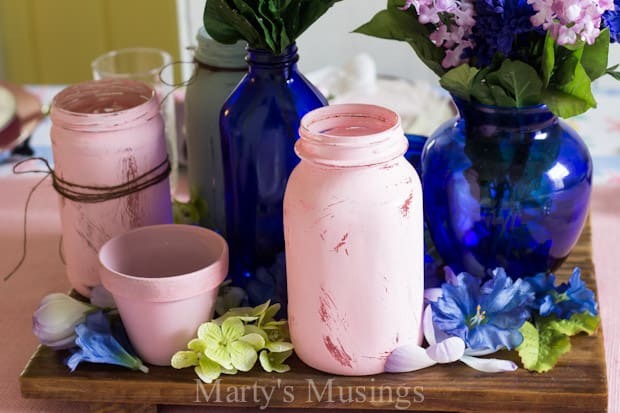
(355, 291)
(338, 353)
(407, 205)
(105, 133)
(342, 243)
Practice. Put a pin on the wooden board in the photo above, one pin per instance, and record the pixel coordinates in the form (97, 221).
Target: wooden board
(577, 384)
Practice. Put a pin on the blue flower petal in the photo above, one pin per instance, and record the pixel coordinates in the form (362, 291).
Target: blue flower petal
(97, 345)
(563, 300)
(489, 336)
(546, 306)
(486, 316)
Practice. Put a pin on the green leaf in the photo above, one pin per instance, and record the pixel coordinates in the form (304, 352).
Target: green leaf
(183, 359)
(459, 80)
(573, 98)
(541, 347)
(232, 329)
(615, 75)
(269, 314)
(252, 329)
(403, 25)
(208, 370)
(279, 346)
(578, 323)
(274, 361)
(242, 355)
(500, 97)
(255, 340)
(611, 71)
(595, 57)
(520, 81)
(563, 104)
(260, 310)
(566, 65)
(264, 21)
(548, 58)
(227, 25)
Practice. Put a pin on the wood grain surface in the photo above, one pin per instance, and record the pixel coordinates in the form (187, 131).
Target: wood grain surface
(577, 384)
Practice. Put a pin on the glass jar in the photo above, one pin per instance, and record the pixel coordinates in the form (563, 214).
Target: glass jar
(354, 241)
(105, 134)
(505, 187)
(259, 125)
(219, 68)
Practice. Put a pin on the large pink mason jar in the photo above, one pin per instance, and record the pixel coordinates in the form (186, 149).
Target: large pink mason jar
(354, 241)
(107, 140)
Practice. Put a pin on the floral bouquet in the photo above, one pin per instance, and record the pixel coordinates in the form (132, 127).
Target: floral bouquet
(511, 53)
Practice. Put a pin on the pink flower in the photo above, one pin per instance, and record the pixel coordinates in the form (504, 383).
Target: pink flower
(569, 21)
(451, 34)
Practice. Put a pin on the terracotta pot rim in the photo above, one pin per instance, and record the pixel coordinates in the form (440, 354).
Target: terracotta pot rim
(167, 288)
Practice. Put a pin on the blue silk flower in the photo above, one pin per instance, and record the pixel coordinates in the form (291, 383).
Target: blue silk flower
(487, 316)
(97, 344)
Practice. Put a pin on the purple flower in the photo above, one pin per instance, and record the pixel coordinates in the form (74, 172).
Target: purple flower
(486, 316)
(97, 344)
(498, 24)
(611, 19)
(564, 300)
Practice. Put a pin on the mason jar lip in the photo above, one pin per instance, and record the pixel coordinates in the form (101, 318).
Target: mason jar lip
(64, 108)
(350, 111)
(351, 146)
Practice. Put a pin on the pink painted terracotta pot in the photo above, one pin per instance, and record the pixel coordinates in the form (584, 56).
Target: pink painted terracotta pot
(106, 133)
(164, 279)
(354, 241)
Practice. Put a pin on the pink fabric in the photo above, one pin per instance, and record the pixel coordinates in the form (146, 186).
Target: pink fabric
(43, 273)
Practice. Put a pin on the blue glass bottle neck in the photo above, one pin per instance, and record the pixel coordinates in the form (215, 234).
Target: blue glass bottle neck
(505, 119)
(265, 61)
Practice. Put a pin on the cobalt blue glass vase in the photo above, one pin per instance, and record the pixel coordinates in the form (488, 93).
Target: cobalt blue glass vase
(505, 187)
(259, 126)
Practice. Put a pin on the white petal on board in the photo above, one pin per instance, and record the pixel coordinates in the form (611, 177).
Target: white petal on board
(447, 351)
(408, 358)
(489, 365)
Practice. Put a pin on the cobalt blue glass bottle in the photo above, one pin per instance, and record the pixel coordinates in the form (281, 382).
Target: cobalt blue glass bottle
(259, 125)
(505, 187)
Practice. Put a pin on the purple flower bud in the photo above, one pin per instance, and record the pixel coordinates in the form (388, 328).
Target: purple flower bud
(55, 319)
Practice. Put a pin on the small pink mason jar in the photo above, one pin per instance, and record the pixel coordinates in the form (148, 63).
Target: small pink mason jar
(108, 142)
(354, 241)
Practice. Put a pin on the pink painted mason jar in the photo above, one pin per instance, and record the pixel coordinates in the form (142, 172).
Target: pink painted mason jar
(107, 133)
(354, 241)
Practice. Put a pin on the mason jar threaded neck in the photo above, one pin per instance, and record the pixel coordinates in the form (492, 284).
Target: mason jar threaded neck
(102, 105)
(349, 135)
